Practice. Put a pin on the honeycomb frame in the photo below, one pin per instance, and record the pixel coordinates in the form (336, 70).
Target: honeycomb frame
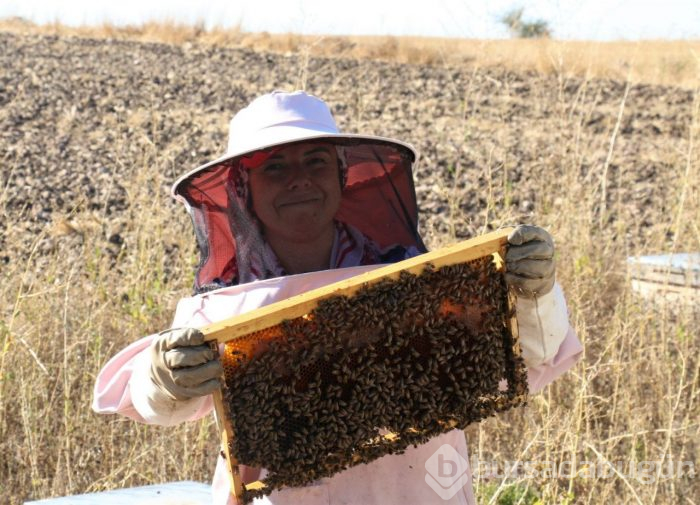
(376, 365)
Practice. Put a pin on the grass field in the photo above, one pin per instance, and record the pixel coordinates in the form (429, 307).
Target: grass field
(619, 418)
(673, 63)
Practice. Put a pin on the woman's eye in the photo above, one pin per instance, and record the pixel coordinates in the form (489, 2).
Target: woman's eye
(273, 168)
(318, 162)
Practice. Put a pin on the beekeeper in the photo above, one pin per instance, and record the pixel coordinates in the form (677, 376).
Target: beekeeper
(293, 205)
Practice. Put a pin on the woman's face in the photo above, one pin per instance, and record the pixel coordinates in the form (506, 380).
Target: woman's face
(296, 191)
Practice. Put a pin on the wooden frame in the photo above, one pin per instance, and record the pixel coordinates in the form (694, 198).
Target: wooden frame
(493, 243)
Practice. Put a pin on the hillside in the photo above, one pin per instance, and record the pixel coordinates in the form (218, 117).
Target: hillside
(81, 117)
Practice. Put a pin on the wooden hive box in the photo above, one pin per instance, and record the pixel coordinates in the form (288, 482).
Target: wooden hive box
(666, 278)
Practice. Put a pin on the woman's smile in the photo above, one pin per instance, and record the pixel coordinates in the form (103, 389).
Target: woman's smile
(297, 201)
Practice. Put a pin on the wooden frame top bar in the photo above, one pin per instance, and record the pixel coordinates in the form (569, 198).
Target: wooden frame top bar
(299, 305)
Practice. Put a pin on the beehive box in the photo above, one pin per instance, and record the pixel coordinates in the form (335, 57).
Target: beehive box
(170, 493)
(347, 373)
(666, 278)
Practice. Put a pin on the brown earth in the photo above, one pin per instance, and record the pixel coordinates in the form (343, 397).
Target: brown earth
(78, 115)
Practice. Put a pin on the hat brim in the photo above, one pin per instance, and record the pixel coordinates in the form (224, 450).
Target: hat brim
(290, 135)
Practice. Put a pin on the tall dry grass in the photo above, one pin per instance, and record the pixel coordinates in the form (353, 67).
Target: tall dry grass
(64, 315)
(632, 401)
(632, 398)
(674, 63)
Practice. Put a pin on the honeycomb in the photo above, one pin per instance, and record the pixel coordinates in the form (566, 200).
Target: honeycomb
(359, 377)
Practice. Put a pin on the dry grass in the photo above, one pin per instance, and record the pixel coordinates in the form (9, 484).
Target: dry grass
(63, 317)
(634, 396)
(675, 63)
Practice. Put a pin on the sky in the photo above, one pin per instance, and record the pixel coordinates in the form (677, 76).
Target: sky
(568, 19)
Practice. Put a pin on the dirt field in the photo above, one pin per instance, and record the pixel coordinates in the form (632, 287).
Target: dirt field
(93, 253)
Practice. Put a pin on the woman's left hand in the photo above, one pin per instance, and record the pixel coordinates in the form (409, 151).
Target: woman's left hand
(530, 261)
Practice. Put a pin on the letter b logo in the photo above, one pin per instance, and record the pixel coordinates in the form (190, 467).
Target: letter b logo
(442, 464)
(447, 472)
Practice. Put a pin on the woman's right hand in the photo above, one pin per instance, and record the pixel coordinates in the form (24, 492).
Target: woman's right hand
(183, 366)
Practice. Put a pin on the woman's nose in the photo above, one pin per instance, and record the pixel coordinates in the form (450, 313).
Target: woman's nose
(299, 178)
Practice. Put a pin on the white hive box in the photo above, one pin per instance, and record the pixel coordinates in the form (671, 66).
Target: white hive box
(667, 277)
(172, 493)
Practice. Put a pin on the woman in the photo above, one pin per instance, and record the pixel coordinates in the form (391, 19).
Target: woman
(294, 205)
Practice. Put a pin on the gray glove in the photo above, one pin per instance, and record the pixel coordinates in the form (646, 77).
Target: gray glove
(183, 366)
(530, 261)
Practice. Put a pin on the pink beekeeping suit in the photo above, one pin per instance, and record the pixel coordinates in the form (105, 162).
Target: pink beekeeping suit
(549, 345)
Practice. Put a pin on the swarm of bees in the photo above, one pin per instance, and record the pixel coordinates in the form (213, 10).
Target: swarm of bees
(363, 376)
